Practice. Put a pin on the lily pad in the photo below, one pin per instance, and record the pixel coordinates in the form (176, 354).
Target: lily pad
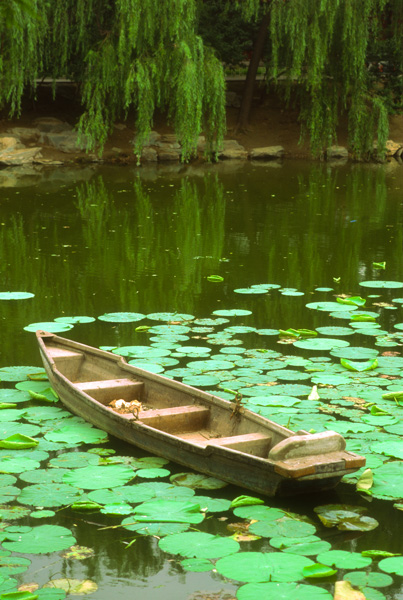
(341, 559)
(382, 284)
(197, 565)
(392, 565)
(285, 527)
(362, 579)
(11, 565)
(282, 591)
(16, 295)
(49, 495)
(168, 511)
(121, 317)
(74, 320)
(40, 540)
(197, 480)
(153, 529)
(197, 544)
(49, 326)
(77, 433)
(74, 587)
(17, 374)
(97, 477)
(262, 567)
(321, 344)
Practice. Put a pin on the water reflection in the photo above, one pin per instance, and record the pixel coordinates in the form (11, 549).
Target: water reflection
(135, 244)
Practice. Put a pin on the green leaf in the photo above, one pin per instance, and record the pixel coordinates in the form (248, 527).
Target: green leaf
(121, 317)
(317, 571)
(367, 365)
(18, 441)
(197, 480)
(168, 511)
(215, 278)
(197, 565)
(245, 501)
(282, 591)
(352, 300)
(392, 565)
(97, 477)
(263, 567)
(199, 545)
(365, 481)
(15, 295)
(341, 559)
(40, 540)
(49, 495)
(362, 579)
(379, 265)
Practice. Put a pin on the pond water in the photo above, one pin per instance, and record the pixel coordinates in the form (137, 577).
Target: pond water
(93, 241)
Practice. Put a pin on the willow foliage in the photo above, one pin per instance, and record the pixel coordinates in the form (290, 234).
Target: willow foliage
(323, 48)
(145, 55)
(124, 54)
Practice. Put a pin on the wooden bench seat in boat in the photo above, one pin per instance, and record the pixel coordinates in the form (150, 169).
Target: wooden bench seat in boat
(107, 390)
(257, 444)
(177, 418)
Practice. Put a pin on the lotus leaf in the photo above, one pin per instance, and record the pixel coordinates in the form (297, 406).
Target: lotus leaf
(258, 512)
(98, 477)
(13, 396)
(152, 473)
(15, 295)
(168, 511)
(261, 567)
(49, 326)
(74, 320)
(117, 508)
(11, 565)
(341, 331)
(382, 284)
(197, 480)
(74, 587)
(392, 565)
(18, 464)
(197, 544)
(321, 344)
(17, 374)
(153, 529)
(285, 526)
(306, 548)
(74, 460)
(13, 513)
(212, 504)
(40, 540)
(346, 518)
(282, 591)
(168, 491)
(42, 514)
(392, 448)
(121, 317)
(318, 571)
(341, 559)
(49, 495)
(362, 579)
(77, 433)
(18, 441)
(197, 565)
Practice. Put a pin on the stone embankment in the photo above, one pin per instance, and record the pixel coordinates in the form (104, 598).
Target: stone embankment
(53, 142)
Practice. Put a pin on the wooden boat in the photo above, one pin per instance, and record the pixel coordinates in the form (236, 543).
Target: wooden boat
(192, 427)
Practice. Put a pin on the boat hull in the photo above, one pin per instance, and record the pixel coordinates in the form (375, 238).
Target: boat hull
(256, 473)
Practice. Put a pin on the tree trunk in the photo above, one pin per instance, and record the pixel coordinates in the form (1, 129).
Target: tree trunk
(247, 96)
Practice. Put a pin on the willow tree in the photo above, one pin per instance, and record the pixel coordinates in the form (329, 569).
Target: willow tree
(139, 55)
(322, 49)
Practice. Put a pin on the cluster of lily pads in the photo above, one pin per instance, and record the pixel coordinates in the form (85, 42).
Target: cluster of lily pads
(51, 463)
